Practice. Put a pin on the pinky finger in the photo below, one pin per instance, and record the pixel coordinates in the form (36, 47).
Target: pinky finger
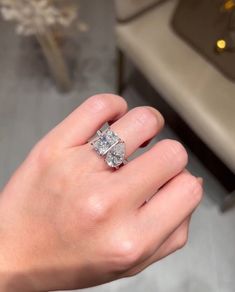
(175, 241)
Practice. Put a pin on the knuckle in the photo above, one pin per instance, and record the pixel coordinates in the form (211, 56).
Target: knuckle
(127, 255)
(96, 209)
(181, 240)
(133, 272)
(146, 116)
(43, 152)
(194, 188)
(119, 98)
(98, 102)
(103, 101)
(177, 150)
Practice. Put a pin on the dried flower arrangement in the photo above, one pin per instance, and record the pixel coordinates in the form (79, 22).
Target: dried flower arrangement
(36, 16)
(39, 18)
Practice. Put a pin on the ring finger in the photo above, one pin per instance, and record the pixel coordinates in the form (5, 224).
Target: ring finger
(138, 126)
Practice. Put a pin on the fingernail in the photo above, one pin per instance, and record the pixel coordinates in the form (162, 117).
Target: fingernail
(200, 179)
(158, 115)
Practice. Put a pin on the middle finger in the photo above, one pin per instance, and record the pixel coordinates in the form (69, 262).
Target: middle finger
(139, 125)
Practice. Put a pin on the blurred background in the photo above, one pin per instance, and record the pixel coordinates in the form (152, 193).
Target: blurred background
(175, 55)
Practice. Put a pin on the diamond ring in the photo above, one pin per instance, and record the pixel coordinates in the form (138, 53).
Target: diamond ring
(110, 146)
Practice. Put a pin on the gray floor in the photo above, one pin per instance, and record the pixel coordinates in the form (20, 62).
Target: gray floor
(30, 105)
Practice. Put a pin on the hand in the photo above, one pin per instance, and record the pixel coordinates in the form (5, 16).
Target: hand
(68, 221)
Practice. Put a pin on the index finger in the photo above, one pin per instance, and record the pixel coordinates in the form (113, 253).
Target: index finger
(83, 123)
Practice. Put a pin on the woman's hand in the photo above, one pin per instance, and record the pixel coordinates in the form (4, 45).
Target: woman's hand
(69, 221)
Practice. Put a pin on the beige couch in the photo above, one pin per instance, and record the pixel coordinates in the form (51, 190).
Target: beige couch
(197, 91)
(127, 9)
(200, 94)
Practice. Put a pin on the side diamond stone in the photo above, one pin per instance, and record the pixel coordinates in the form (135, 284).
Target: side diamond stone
(116, 156)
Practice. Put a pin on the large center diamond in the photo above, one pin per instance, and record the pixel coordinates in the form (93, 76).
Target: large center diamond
(108, 144)
(116, 156)
(105, 141)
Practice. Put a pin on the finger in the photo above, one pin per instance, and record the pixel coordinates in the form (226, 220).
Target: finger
(174, 242)
(169, 208)
(147, 173)
(138, 126)
(82, 124)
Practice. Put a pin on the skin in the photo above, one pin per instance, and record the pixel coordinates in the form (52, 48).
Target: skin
(68, 221)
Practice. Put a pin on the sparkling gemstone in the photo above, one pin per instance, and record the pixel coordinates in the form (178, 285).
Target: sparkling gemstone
(116, 155)
(105, 141)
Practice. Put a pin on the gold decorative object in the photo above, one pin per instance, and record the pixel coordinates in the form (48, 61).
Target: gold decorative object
(40, 18)
(221, 45)
(229, 5)
(227, 42)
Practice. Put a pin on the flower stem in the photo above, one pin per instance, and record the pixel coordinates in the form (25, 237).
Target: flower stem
(55, 60)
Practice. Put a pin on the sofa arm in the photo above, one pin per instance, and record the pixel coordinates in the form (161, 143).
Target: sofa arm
(127, 9)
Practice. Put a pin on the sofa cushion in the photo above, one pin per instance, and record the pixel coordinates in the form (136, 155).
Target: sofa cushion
(126, 9)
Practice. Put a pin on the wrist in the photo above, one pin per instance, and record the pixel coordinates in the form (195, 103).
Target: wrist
(15, 282)
(12, 275)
